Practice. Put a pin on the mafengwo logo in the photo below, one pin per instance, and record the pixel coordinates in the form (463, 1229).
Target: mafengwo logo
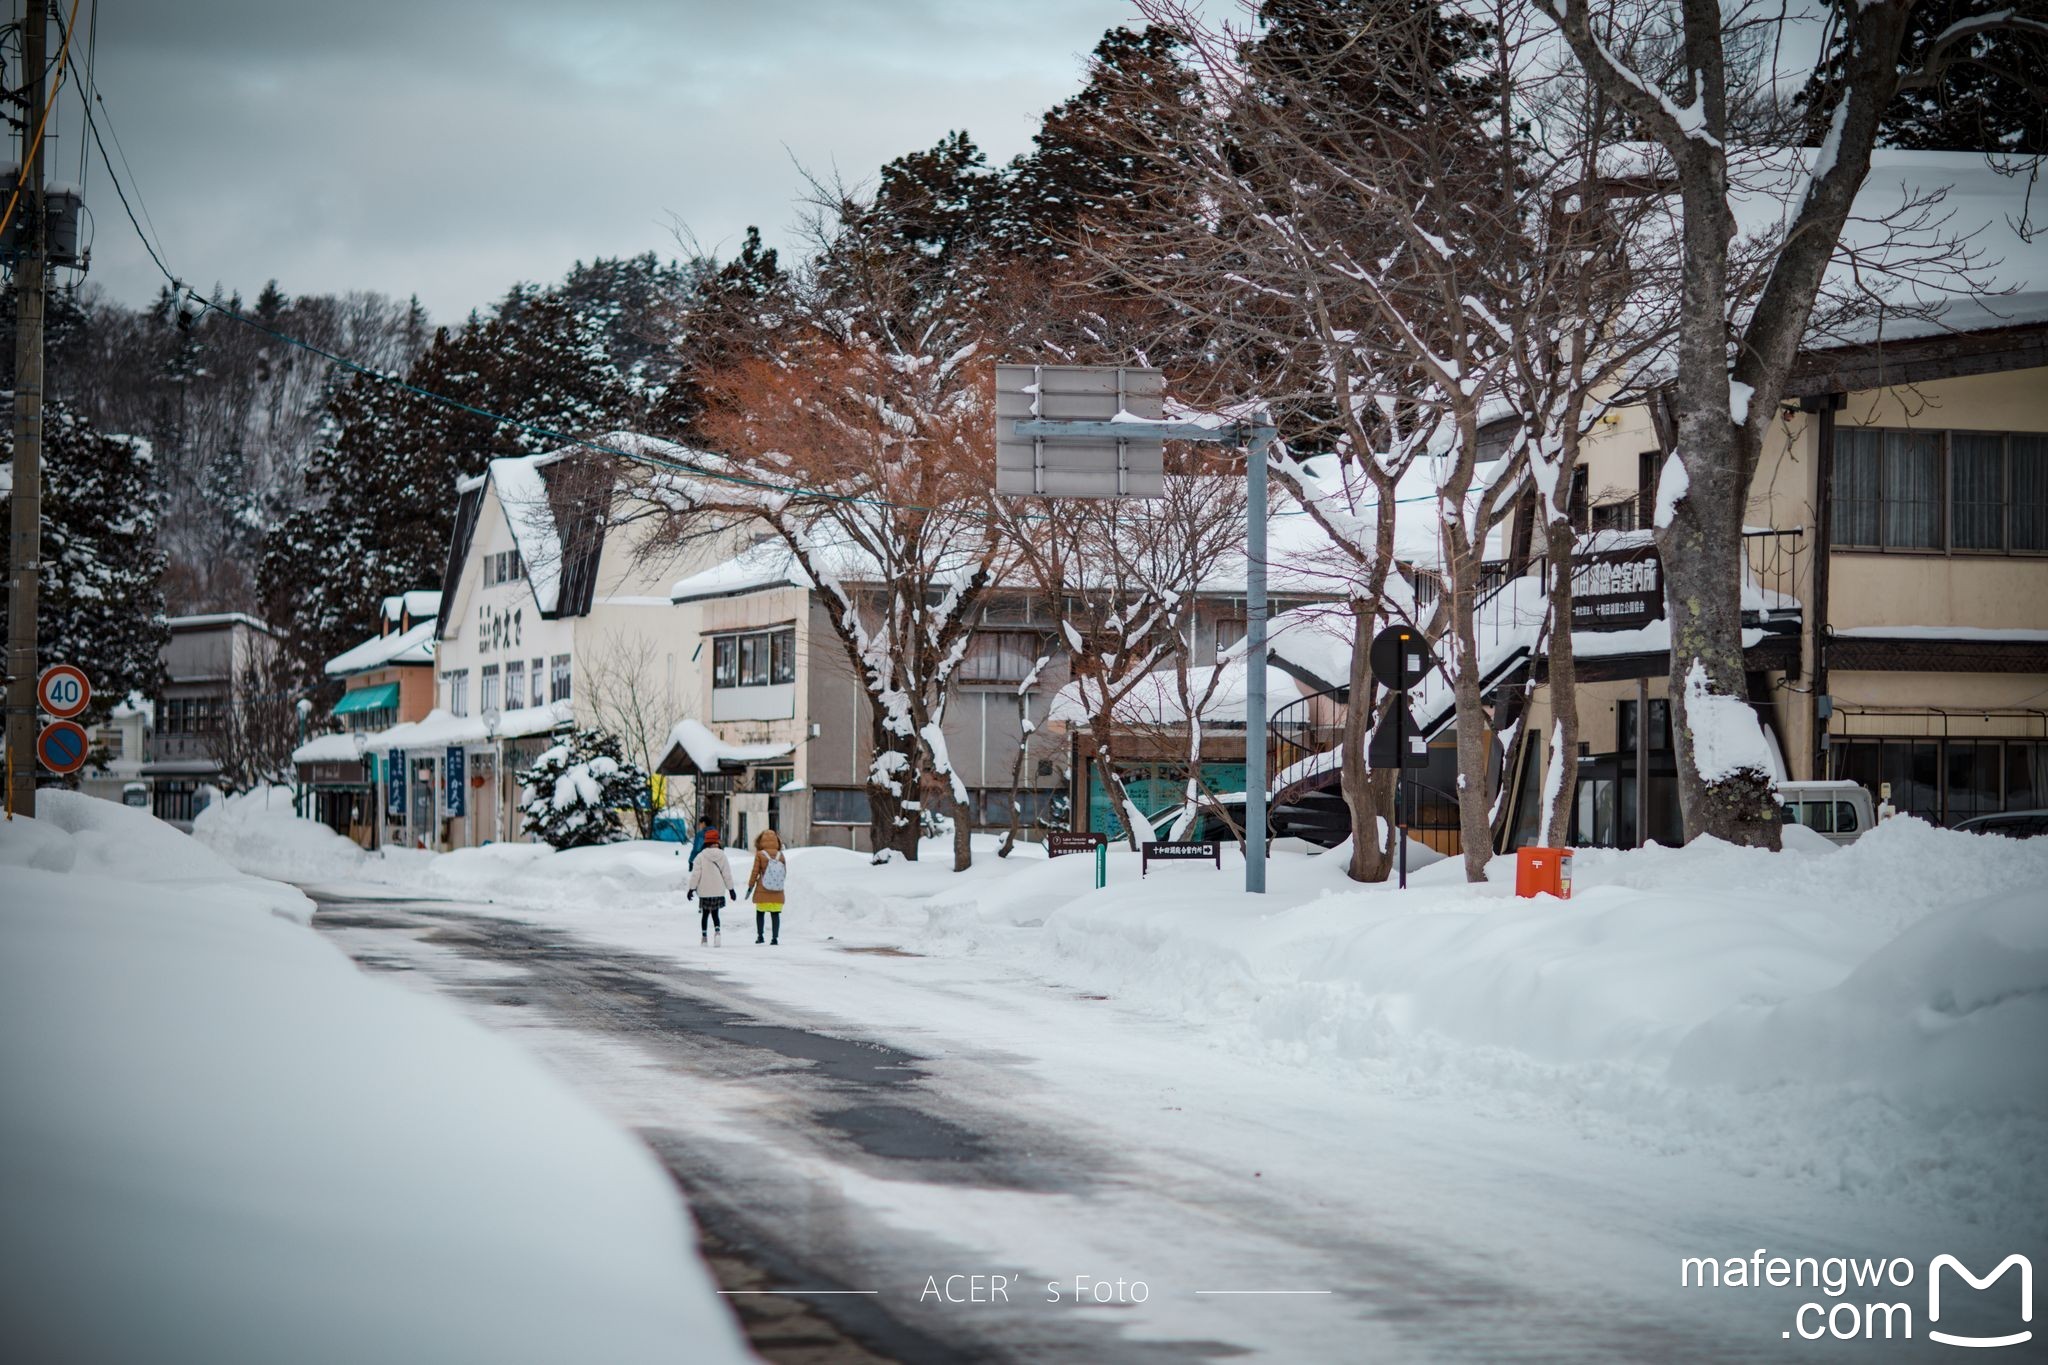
(1942, 1262)
(1864, 1317)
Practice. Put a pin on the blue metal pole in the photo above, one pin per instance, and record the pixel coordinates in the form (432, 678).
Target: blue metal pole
(1255, 665)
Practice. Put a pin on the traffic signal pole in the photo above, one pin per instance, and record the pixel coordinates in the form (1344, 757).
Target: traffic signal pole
(25, 539)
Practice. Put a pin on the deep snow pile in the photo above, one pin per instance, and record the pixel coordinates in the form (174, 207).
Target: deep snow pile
(259, 833)
(223, 1142)
(1873, 1015)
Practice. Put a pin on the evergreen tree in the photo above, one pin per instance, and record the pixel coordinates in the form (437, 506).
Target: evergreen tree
(102, 605)
(384, 479)
(1092, 161)
(573, 793)
(1988, 100)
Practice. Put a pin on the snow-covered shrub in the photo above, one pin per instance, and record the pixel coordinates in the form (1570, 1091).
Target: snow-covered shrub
(573, 793)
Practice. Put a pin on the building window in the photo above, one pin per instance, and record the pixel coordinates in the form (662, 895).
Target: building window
(1945, 781)
(515, 685)
(1000, 656)
(992, 806)
(1649, 464)
(558, 678)
(770, 779)
(1615, 516)
(514, 569)
(759, 658)
(1978, 492)
(456, 684)
(540, 682)
(490, 687)
(175, 800)
(1578, 500)
(1231, 629)
(840, 806)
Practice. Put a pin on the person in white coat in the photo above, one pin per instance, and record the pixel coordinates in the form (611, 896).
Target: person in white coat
(711, 886)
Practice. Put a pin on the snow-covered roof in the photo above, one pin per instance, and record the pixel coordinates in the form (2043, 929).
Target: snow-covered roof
(760, 567)
(420, 604)
(439, 729)
(523, 494)
(414, 646)
(693, 742)
(1155, 698)
(218, 618)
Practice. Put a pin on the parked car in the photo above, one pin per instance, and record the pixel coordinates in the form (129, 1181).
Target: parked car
(1839, 810)
(2013, 824)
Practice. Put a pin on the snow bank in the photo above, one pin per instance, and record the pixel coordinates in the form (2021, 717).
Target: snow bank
(224, 1143)
(1820, 1013)
(1951, 1015)
(81, 834)
(258, 833)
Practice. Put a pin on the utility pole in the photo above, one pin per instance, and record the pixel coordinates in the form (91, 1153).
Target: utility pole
(25, 541)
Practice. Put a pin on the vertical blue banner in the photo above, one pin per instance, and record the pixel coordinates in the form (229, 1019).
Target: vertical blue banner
(455, 793)
(394, 785)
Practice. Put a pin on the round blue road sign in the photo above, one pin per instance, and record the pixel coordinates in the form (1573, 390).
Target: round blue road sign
(61, 746)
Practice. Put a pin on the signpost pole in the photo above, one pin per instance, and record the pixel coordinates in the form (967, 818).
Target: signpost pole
(1255, 664)
(1401, 773)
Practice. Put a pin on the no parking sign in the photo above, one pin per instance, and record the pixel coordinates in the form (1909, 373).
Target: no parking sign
(62, 746)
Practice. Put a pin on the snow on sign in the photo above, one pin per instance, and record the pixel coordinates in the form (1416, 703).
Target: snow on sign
(63, 691)
(62, 746)
(1091, 464)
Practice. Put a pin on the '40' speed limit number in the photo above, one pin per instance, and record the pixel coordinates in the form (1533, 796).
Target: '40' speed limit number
(63, 691)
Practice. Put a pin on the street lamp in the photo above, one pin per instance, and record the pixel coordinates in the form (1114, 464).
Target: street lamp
(492, 717)
(362, 743)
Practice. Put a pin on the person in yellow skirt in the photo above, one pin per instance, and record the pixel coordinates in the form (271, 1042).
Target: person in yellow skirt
(766, 883)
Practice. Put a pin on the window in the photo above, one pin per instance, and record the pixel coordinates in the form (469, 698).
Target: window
(839, 806)
(760, 658)
(540, 676)
(1615, 516)
(514, 570)
(1578, 499)
(1660, 726)
(1229, 630)
(558, 678)
(771, 779)
(456, 684)
(109, 738)
(1945, 781)
(991, 806)
(490, 688)
(1965, 491)
(1649, 464)
(1000, 656)
(515, 685)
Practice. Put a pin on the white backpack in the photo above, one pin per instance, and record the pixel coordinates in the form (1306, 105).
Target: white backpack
(776, 875)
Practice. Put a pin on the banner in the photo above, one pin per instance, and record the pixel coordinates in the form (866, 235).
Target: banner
(455, 784)
(394, 785)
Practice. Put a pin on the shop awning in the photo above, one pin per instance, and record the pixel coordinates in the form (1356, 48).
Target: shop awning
(382, 697)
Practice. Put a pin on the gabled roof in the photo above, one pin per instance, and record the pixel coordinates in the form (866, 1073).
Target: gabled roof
(414, 646)
(693, 748)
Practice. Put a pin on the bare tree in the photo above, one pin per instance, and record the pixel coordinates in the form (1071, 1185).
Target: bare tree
(632, 694)
(259, 724)
(1735, 351)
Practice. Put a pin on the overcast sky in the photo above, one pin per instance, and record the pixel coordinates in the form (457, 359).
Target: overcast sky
(451, 147)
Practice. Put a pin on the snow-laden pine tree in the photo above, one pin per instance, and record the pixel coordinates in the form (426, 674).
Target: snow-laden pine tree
(102, 605)
(383, 480)
(572, 795)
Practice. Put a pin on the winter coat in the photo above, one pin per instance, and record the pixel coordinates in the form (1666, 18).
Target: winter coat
(712, 876)
(768, 898)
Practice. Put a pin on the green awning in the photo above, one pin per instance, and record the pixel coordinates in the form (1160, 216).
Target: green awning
(382, 697)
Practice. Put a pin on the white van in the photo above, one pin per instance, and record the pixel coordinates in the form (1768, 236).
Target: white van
(1840, 810)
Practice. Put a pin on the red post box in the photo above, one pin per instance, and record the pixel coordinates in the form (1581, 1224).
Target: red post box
(1543, 871)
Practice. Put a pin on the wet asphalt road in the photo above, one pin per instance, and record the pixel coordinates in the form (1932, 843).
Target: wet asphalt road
(868, 1105)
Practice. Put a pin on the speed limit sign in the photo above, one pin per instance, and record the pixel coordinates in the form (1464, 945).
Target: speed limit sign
(63, 691)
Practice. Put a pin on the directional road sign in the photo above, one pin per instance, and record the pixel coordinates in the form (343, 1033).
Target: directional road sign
(1094, 464)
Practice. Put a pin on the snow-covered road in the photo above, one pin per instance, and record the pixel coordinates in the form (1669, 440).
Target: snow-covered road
(848, 1116)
